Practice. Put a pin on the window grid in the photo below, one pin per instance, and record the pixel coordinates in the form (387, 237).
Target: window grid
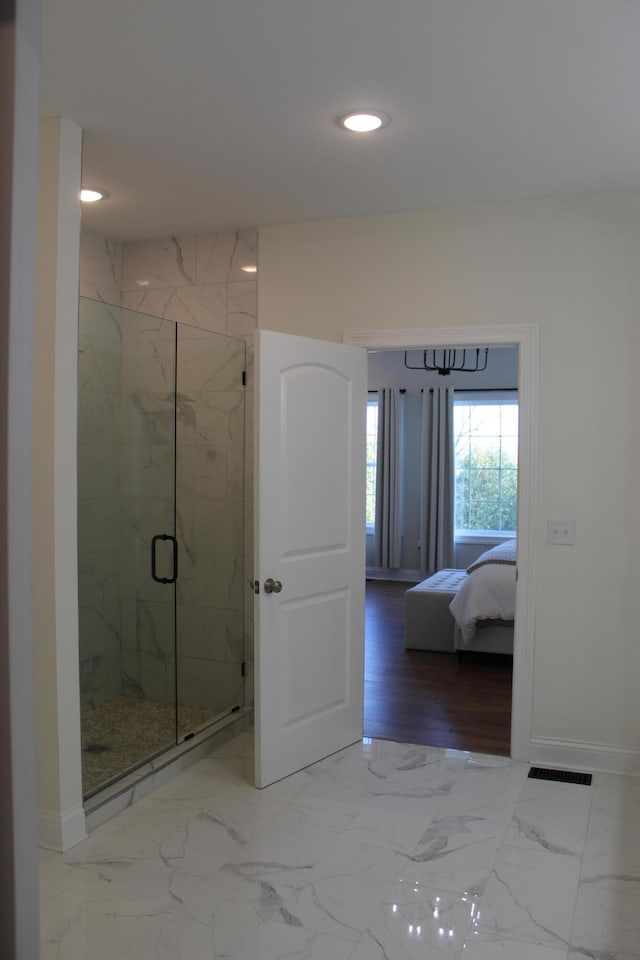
(485, 467)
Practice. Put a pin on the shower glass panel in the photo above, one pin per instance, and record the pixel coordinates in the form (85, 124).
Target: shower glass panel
(209, 510)
(160, 537)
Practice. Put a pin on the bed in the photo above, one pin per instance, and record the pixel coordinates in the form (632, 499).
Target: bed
(484, 607)
(465, 610)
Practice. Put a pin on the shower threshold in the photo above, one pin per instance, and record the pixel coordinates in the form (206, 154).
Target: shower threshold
(124, 733)
(110, 799)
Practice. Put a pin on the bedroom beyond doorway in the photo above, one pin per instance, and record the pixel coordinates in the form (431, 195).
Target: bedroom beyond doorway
(417, 696)
(441, 494)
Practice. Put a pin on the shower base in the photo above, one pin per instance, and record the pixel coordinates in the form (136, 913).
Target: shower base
(124, 732)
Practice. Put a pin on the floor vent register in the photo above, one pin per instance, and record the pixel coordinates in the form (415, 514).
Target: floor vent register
(561, 776)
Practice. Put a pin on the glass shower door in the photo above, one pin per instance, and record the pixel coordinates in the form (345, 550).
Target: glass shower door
(160, 524)
(149, 549)
(126, 498)
(210, 412)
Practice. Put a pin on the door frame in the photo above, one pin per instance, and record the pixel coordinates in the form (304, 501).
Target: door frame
(526, 338)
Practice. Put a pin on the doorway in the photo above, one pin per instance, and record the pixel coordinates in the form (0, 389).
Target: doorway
(445, 494)
(525, 337)
(324, 725)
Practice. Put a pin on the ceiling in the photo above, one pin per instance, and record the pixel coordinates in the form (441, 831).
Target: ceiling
(208, 115)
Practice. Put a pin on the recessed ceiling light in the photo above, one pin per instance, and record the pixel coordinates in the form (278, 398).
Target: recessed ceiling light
(90, 196)
(363, 121)
(249, 268)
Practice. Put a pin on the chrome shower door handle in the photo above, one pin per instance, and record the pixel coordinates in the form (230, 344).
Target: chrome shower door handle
(272, 586)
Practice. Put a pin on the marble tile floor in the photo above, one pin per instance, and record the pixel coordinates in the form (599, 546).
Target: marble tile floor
(384, 851)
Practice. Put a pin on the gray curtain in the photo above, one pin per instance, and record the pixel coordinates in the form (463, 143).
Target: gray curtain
(437, 480)
(387, 540)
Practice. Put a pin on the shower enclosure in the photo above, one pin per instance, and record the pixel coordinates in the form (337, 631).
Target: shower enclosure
(160, 535)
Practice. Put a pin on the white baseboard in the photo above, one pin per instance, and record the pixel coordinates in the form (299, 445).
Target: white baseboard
(59, 832)
(586, 757)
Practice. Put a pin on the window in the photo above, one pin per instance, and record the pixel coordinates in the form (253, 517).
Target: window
(486, 463)
(372, 455)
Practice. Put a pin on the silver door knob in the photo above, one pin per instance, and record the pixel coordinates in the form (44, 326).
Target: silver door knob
(272, 586)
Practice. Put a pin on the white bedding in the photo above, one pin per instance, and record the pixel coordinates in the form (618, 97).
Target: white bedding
(488, 593)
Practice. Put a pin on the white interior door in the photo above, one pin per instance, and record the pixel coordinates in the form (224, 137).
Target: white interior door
(310, 538)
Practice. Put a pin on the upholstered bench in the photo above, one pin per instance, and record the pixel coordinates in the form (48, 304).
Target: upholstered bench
(428, 623)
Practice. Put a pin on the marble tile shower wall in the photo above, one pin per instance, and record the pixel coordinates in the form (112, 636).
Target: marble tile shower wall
(209, 499)
(100, 268)
(197, 281)
(99, 506)
(98, 480)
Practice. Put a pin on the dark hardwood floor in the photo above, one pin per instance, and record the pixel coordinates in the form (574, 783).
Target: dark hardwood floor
(432, 698)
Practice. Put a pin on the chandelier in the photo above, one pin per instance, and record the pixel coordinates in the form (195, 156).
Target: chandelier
(448, 360)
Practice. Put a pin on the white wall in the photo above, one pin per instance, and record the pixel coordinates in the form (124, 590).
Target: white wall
(569, 266)
(19, 70)
(55, 594)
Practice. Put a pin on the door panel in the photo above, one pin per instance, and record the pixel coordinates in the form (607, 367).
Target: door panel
(210, 398)
(310, 536)
(317, 498)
